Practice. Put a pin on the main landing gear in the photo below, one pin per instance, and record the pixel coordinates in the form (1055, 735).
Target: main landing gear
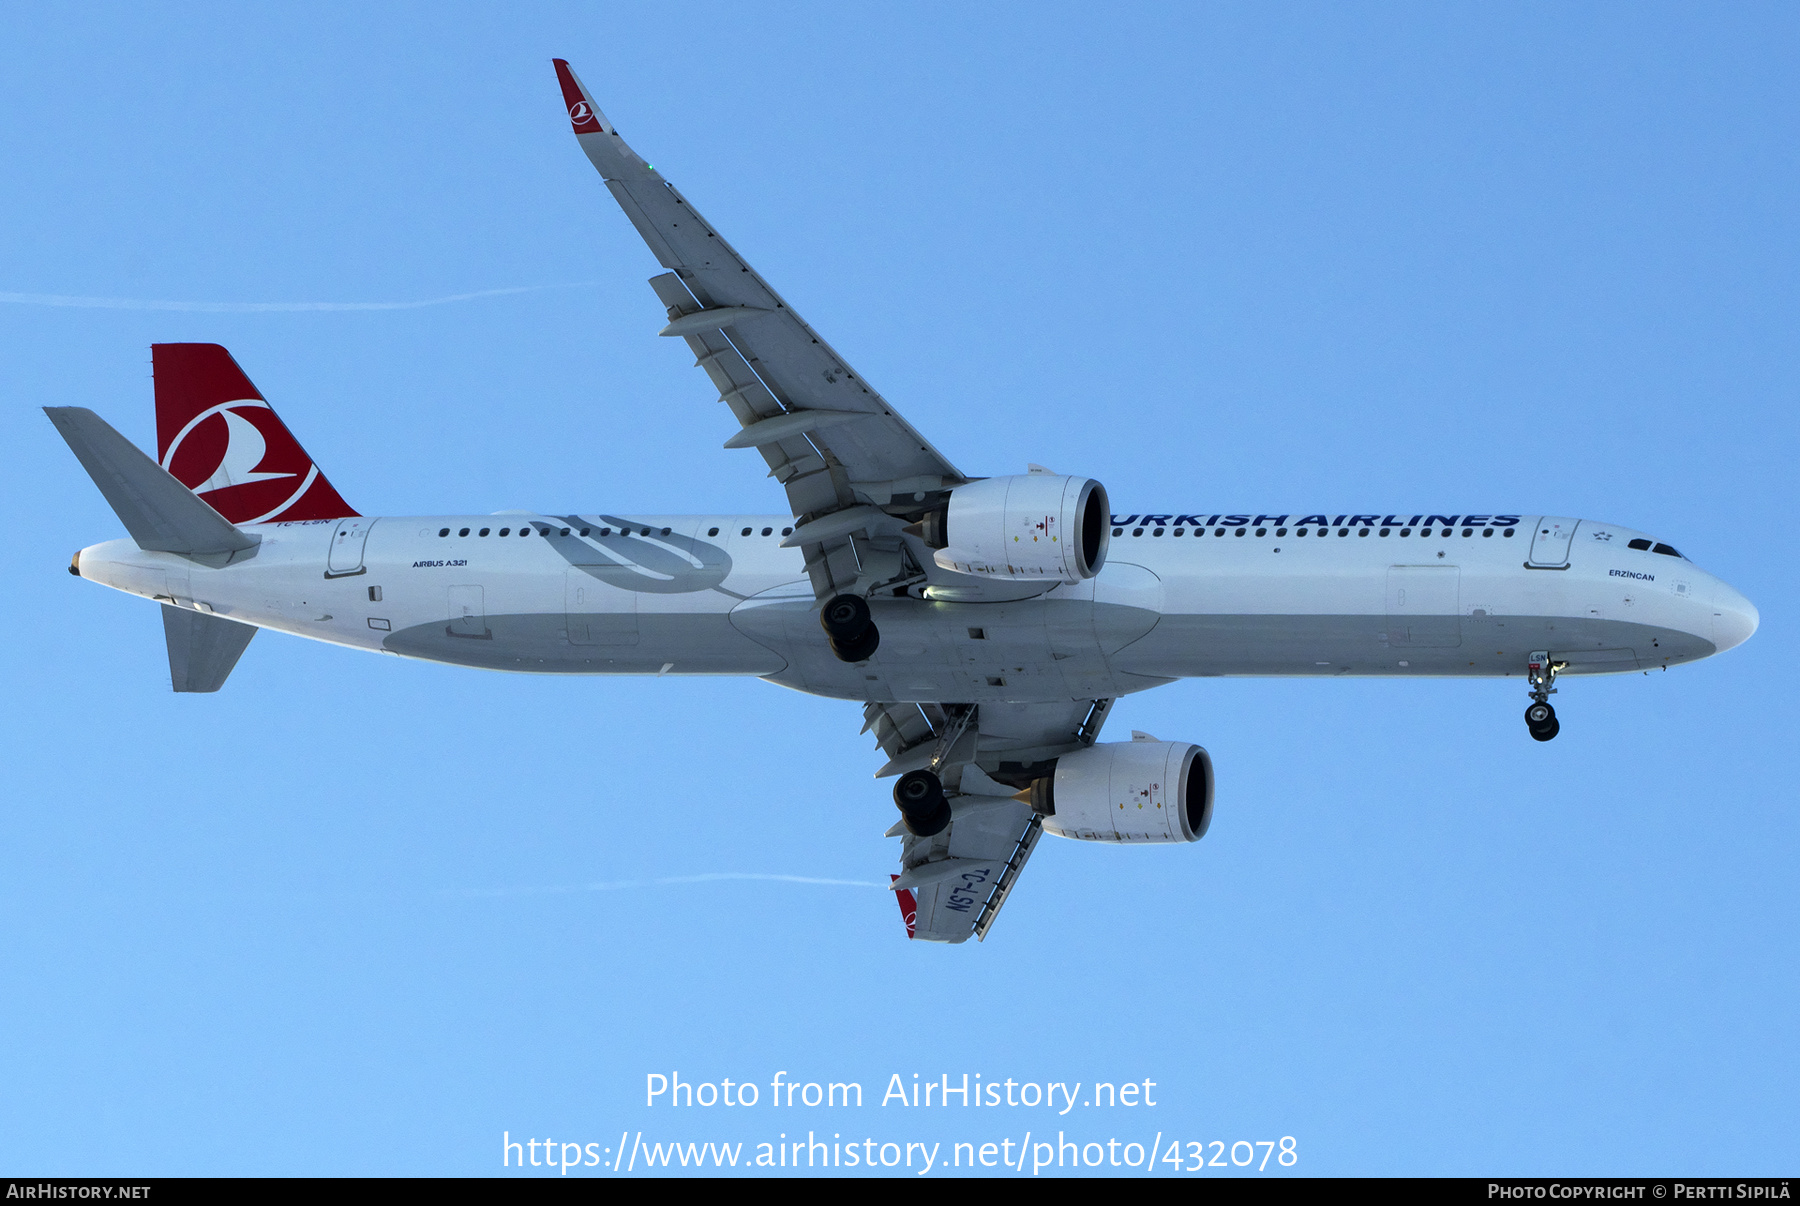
(847, 625)
(1540, 717)
(923, 806)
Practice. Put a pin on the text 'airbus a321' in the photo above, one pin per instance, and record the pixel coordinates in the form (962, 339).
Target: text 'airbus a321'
(986, 625)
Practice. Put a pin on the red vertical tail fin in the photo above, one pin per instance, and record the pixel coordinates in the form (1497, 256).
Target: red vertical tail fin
(221, 439)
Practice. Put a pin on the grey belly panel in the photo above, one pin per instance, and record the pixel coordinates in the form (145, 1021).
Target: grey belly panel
(1267, 645)
(540, 644)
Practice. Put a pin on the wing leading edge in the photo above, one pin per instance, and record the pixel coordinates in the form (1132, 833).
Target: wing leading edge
(854, 470)
(855, 473)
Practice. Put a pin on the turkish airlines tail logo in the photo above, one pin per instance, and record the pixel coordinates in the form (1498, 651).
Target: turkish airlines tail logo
(219, 437)
(581, 112)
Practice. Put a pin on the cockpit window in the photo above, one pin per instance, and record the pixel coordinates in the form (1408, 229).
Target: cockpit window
(1643, 545)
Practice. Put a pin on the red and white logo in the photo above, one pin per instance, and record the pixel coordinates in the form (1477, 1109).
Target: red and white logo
(230, 438)
(581, 113)
(217, 436)
(909, 906)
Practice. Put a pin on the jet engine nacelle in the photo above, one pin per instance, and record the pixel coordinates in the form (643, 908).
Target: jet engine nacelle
(1034, 525)
(1128, 791)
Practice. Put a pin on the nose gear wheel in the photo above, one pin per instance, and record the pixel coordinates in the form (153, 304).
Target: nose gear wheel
(1540, 717)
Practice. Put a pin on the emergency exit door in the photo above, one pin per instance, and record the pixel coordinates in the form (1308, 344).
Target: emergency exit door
(1423, 606)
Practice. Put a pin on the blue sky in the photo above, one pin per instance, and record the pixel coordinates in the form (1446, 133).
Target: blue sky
(1539, 258)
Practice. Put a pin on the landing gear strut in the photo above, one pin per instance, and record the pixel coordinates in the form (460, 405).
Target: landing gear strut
(847, 625)
(1540, 717)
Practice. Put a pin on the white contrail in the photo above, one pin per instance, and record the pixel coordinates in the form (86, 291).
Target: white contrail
(136, 303)
(618, 885)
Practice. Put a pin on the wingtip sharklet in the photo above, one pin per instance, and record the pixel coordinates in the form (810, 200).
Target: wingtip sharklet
(584, 115)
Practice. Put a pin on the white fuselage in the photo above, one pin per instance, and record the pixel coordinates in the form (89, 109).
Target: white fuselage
(696, 595)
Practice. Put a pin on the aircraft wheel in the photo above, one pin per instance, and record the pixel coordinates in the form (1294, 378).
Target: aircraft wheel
(845, 617)
(860, 649)
(1547, 731)
(1539, 714)
(920, 797)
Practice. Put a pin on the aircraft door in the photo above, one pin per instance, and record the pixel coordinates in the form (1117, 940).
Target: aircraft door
(347, 542)
(598, 613)
(468, 616)
(1550, 542)
(1422, 606)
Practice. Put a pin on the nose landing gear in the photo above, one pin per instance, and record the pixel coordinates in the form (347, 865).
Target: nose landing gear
(1540, 717)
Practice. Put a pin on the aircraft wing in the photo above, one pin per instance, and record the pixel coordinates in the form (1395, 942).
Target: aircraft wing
(854, 470)
(952, 884)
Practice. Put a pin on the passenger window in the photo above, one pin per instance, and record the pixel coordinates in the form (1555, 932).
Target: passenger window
(443, 531)
(1262, 531)
(1158, 532)
(1406, 531)
(524, 531)
(1424, 532)
(1487, 531)
(766, 531)
(1137, 531)
(1468, 531)
(606, 531)
(1299, 531)
(1240, 531)
(784, 531)
(745, 532)
(584, 531)
(1179, 532)
(565, 531)
(1281, 531)
(1508, 532)
(503, 531)
(1643, 546)
(712, 531)
(1385, 531)
(464, 532)
(1362, 531)
(1343, 531)
(666, 532)
(1118, 531)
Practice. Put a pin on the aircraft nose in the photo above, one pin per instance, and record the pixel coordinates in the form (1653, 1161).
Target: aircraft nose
(1734, 618)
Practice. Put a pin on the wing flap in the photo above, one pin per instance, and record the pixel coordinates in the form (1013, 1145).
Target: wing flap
(766, 361)
(959, 879)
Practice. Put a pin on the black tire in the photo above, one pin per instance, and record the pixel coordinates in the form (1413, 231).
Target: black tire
(859, 650)
(845, 617)
(1540, 715)
(1547, 731)
(919, 795)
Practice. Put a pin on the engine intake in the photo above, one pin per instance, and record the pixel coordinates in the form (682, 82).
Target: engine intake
(1033, 525)
(1128, 791)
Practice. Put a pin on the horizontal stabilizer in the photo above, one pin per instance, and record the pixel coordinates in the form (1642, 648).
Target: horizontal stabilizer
(202, 648)
(161, 514)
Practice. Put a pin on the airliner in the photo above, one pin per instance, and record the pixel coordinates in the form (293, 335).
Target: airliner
(986, 625)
